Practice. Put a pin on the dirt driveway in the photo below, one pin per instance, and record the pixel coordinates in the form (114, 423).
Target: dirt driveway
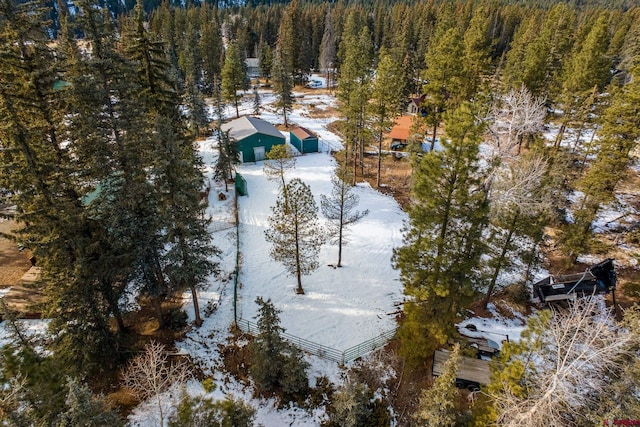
(13, 263)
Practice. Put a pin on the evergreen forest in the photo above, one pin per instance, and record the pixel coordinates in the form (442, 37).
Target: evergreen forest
(101, 107)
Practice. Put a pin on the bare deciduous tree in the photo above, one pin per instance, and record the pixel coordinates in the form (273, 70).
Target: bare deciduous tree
(516, 115)
(517, 183)
(150, 374)
(339, 209)
(561, 366)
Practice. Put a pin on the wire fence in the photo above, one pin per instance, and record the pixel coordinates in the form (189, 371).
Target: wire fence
(308, 346)
(216, 226)
(329, 146)
(328, 353)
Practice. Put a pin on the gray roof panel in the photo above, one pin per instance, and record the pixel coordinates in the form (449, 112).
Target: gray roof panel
(246, 126)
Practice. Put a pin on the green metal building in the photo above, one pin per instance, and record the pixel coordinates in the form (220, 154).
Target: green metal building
(304, 140)
(255, 137)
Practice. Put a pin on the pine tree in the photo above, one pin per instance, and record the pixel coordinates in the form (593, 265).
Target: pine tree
(444, 89)
(522, 65)
(275, 364)
(328, 49)
(266, 61)
(282, 85)
(189, 58)
(620, 130)
(279, 160)
(198, 114)
(83, 408)
(354, 88)
(48, 188)
(351, 406)
(437, 406)
(211, 48)
(256, 101)
(232, 75)
(586, 73)
(386, 98)
(442, 244)
(477, 44)
(34, 391)
(182, 258)
(589, 65)
(228, 155)
(338, 208)
(294, 231)
(290, 42)
(203, 412)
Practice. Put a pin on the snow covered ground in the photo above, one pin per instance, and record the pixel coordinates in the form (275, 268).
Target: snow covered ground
(342, 307)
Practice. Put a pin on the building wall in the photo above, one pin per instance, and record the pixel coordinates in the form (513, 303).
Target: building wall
(310, 144)
(247, 145)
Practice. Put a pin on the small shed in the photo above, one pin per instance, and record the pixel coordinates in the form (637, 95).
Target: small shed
(304, 140)
(253, 67)
(255, 137)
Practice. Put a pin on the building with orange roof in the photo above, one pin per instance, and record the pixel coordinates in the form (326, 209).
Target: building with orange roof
(304, 140)
(400, 131)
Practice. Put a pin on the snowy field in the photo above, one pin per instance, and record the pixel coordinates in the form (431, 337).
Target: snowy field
(344, 306)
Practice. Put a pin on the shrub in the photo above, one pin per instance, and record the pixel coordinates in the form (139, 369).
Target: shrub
(203, 412)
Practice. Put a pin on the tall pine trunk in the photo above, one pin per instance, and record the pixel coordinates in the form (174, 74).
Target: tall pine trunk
(157, 307)
(299, 289)
(501, 258)
(196, 306)
(433, 138)
(378, 181)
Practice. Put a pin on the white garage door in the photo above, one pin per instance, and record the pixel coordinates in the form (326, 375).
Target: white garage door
(258, 153)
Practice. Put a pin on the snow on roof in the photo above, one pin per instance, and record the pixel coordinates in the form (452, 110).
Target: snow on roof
(246, 126)
(303, 133)
(252, 62)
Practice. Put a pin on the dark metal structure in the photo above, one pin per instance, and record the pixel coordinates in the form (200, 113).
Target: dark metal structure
(597, 279)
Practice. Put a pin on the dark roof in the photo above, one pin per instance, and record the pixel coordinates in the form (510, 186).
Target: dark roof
(303, 133)
(418, 100)
(247, 126)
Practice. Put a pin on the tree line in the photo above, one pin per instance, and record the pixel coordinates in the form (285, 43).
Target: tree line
(101, 163)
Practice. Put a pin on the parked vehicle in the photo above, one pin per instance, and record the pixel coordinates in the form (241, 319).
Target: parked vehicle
(398, 145)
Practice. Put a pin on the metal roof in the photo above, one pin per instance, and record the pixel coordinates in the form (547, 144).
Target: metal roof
(246, 126)
(401, 128)
(303, 133)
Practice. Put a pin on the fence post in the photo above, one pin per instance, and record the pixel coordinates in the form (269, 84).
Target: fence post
(237, 269)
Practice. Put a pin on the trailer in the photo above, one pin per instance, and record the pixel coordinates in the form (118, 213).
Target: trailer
(598, 279)
(471, 372)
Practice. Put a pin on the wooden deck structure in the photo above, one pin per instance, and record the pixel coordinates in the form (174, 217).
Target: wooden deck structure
(471, 372)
